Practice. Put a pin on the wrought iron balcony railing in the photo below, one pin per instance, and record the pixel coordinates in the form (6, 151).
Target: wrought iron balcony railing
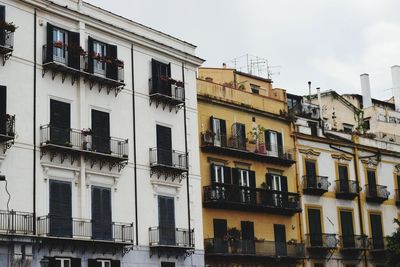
(82, 229)
(321, 241)
(228, 196)
(239, 146)
(315, 185)
(16, 222)
(6, 42)
(7, 128)
(175, 92)
(377, 193)
(377, 243)
(171, 237)
(77, 140)
(168, 158)
(260, 248)
(353, 242)
(347, 189)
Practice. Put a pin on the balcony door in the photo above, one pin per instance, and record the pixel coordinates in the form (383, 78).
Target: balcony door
(274, 143)
(371, 176)
(3, 110)
(60, 42)
(248, 244)
(311, 174)
(166, 220)
(60, 123)
(218, 127)
(60, 214)
(246, 180)
(315, 227)
(101, 131)
(376, 231)
(220, 175)
(161, 73)
(279, 184)
(343, 178)
(101, 213)
(346, 223)
(239, 136)
(164, 145)
(280, 240)
(220, 232)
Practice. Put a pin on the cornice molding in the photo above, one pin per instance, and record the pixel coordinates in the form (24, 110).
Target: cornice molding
(309, 152)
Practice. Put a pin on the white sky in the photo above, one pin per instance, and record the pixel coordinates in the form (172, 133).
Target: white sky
(329, 42)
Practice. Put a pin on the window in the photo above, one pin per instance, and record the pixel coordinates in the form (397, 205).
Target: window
(3, 110)
(60, 122)
(60, 42)
(167, 264)
(371, 178)
(343, 178)
(274, 143)
(247, 179)
(218, 128)
(346, 225)
(255, 89)
(313, 127)
(104, 263)
(239, 136)
(376, 231)
(220, 175)
(164, 145)
(311, 169)
(101, 213)
(367, 124)
(347, 128)
(100, 52)
(61, 262)
(247, 231)
(166, 220)
(101, 132)
(60, 210)
(280, 239)
(315, 227)
(161, 72)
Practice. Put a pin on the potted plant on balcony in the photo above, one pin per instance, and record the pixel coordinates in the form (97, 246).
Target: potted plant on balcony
(233, 237)
(255, 137)
(8, 26)
(58, 44)
(86, 132)
(119, 63)
(208, 137)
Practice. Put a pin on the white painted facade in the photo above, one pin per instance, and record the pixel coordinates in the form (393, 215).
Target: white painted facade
(134, 42)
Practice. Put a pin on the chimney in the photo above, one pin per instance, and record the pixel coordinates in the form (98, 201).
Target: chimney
(366, 90)
(319, 102)
(224, 65)
(396, 85)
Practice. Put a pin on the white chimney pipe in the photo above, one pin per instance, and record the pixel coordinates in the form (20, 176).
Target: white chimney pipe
(319, 102)
(396, 85)
(366, 90)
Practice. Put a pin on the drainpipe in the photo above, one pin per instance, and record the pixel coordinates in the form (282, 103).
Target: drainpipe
(34, 120)
(186, 153)
(134, 148)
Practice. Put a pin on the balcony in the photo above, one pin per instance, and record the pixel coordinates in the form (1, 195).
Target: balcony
(167, 92)
(315, 185)
(321, 242)
(72, 143)
(353, 244)
(7, 131)
(397, 197)
(82, 229)
(220, 249)
(233, 197)
(16, 223)
(346, 189)
(376, 194)
(74, 62)
(377, 248)
(171, 241)
(241, 148)
(306, 110)
(6, 43)
(170, 163)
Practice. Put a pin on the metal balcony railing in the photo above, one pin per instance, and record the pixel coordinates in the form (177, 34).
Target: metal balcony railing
(168, 158)
(170, 236)
(315, 183)
(16, 222)
(165, 88)
(241, 197)
(259, 248)
(77, 228)
(322, 241)
(306, 110)
(209, 138)
(76, 139)
(377, 192)
(377, 243)
(7, 127)
(347, 187)
(353, 242)
(6, 42)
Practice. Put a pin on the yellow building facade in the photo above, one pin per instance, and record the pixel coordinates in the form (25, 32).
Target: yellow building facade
(251, 205)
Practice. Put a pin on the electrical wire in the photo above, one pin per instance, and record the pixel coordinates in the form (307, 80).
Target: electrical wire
(9, 197)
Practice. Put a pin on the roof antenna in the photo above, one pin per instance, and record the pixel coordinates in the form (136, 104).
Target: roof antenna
(309, 92)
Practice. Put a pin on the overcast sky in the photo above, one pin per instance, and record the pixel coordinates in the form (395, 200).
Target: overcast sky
(328, 42)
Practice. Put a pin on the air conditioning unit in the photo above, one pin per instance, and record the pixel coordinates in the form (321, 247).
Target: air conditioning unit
(327, 126)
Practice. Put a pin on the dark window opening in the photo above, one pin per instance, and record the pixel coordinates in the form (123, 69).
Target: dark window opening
(367, 125)
(255, 89)
(60, 123)
(101, 213)
(166, 220)
(313, 127)
(60, 209)
(101, 132)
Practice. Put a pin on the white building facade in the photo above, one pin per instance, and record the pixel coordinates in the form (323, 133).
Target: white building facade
(99, 140)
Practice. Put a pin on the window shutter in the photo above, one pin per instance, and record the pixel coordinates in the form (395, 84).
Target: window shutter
(90, 55)
(267, 140)
(280, 144)
(60, 122)
(220, 228)
(268, 180)
(75, 262)
(252, 179)
(96, 213)
(223, 133)
(52, 262)
(93, 263)
(2, 19)
(107, 221)
(247, 230)
(154, 77)
(212, 172)
(101, 213)
(164, 145)
(49, 50)
(3, 109)
(343, 173)
(112, 69)
(74, 53)
(228, 175)
(115, 263)
(166, 220)
(235, 176)
(211, 124)
(60, 209)
(284, 183)
(101, 131)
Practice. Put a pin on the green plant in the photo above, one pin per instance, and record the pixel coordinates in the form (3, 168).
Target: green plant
(393, 247)
(256, 133)
(233, 234)
(241, 86)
